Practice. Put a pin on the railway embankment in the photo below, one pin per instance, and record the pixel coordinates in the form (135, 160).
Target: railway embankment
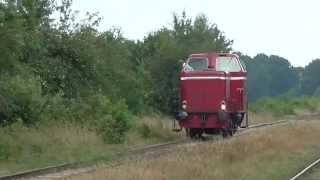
(24, 148)
(270, 153)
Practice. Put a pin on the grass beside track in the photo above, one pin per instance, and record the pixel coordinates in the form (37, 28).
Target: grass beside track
(23, 148)
(273, 153)
(286, 106)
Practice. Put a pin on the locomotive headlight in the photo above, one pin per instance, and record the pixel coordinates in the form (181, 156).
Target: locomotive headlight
(184, 105)
(223, 106)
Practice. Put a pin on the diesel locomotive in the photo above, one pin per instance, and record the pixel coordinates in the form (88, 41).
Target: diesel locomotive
(213, 94)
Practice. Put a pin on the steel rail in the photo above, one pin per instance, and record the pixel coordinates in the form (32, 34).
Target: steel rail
(70, 166)
(40, 171)
(305, 170)
(116, 160)
(267, 124)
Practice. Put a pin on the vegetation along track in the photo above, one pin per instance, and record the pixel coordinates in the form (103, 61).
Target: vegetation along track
(65, 170)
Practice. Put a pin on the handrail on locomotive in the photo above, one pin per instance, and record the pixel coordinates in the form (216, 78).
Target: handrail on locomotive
(213, 94)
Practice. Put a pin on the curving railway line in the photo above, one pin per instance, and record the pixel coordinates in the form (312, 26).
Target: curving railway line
(67, 170)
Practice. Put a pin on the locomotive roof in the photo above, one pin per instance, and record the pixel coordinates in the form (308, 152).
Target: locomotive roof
(213, 54)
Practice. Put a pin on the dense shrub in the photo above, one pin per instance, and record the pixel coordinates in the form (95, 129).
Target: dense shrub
(56, 109)
(111, 119)
(21, 98)
(4, 151)
(144, 130)
(286, 105)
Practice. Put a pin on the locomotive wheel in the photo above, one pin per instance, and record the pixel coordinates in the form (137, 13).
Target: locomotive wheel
(228, 131)
(195, 133)
(200, 132)
(224, 133)
(231, 132)
(192, 133)
(187, 132)
(232, 128)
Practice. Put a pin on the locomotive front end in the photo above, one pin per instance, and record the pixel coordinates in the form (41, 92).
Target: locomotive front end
(212, 94)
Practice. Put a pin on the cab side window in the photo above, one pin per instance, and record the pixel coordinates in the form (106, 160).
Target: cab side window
(196, 65)
(228, 64)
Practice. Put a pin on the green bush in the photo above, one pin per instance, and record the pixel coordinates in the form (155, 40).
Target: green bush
(4, 151)
(113, 130)
(55, 109)
(286, 105)
(144, 130)
(111, 120)
(20, 98)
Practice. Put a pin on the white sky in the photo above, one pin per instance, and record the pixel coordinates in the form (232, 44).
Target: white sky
(288, 28)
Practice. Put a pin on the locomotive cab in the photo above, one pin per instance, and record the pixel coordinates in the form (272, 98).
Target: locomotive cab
(213, 96)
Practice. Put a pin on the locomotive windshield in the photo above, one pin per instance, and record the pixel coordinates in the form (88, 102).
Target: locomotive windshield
(196, 65)
(228, 64)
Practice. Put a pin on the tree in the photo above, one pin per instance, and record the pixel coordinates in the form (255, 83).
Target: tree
(310, 80)
(164, 48)
(269, 76)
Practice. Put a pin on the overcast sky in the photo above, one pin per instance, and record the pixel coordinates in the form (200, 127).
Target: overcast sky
(288, 28)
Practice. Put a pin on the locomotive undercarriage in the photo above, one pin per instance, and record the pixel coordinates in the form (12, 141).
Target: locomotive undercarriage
(225, 124)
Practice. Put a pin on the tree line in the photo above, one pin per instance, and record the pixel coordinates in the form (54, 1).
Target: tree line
(65, 70)
(272, 76)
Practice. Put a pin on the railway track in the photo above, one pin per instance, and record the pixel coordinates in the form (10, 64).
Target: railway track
(46, 172)
(66, 170)
(306, 170)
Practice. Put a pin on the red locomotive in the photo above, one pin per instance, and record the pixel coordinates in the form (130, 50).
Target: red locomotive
(213, 94)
